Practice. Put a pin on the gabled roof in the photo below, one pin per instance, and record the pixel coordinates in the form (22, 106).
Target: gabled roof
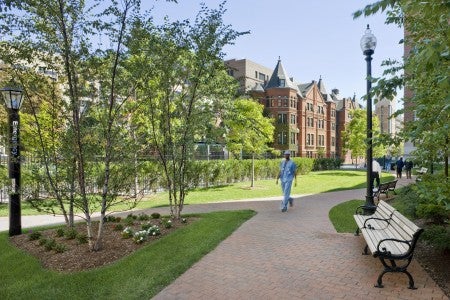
(280, 79)
(305, 87)
(258, 87)
(327, 97)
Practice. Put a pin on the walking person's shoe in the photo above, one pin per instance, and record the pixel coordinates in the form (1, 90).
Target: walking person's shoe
(284, 209)
(291, 201)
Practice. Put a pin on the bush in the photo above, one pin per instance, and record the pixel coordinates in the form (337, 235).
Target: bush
(59, 248)
(82, 239)
(322, 164)
(70, 233)
(127, 233)
(438, 236)
(166, 223)
(155, 215)
(118, 227)
(34, 235)
(60, 232)
(143, 217)
(50, 244)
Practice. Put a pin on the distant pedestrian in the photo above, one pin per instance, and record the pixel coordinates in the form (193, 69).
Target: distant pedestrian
(408, 167)
(387, 163)
(288, 171)
(376, 173)
(399, 164)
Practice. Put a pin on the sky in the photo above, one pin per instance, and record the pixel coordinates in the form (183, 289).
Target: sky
(315, 38)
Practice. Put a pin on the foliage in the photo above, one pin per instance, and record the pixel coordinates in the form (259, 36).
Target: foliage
(355, 135)
(438, 236)
(182, 89)
(248, 129)
(34, 235)
(321, 164)
(425, 75)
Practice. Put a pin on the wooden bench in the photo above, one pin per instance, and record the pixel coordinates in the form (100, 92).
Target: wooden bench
(391, 237)
(384, 188)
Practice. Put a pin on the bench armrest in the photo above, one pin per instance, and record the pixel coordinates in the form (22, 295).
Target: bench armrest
(378, 219)
(382, 251)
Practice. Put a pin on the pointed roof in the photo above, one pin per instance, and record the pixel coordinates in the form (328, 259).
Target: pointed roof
(327, 97)
(279, 78)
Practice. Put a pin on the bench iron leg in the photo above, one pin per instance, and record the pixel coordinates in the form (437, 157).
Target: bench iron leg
(366, 250)
(357, 232)
(394, 268)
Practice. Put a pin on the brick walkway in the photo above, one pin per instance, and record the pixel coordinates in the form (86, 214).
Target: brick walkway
(293, 255)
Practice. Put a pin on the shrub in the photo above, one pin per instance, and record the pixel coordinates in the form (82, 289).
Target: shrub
(140, 236)
(155, 215)
(50, 244)
(118, 227)
(70, 233)
(42, 241)
(143, 217)
(82, 239)
(438, 236)
(34, 235)
(60, 232)
(154, 230)
(59, 248)
(127, 233)
(166, 223)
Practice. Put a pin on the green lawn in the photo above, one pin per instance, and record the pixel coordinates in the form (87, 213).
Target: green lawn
(312, 183)
(138, 276)
(341, 215)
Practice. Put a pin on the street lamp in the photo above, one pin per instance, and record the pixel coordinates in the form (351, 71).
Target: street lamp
(368, 44)
(13, 101)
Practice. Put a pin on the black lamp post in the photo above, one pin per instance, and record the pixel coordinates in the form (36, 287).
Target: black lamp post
(13, 101)
(368, 44)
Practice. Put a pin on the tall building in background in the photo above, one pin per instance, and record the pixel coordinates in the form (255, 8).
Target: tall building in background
(248, 73)
(384, 109)
(306, 114)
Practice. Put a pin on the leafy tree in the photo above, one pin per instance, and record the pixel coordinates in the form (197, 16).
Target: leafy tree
(182, 90)
(425, 73)
(53, 34)
(355, 135)
(248, 129)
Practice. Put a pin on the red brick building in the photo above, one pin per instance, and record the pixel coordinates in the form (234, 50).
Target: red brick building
(308, 118)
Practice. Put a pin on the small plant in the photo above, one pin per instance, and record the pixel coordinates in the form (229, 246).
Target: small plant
(127, 233)
(60, 232)
(438, 236)
(118, 227)
(110, 219)
(140, 236)
(34, 235)
(59, 248)
(42, 241)
(129, 221)
(154, 230)
(131, 216)
(143, 217)
(82, 239)
(70, 234)
(146, 226)
(155, 215)
(166, 223)
(50, 245)
(183, 220)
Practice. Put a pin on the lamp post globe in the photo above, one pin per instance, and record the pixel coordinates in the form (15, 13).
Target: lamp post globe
(13, 101)
(368, 44)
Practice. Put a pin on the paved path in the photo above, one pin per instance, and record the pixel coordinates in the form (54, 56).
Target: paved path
(292, 255)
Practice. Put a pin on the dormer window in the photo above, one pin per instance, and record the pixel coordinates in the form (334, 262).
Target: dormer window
(282, 82)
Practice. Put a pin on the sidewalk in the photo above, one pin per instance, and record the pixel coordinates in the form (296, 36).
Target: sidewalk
(292, 255)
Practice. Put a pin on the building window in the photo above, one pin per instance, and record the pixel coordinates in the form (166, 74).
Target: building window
(282, 83)
(293, 119)
(293, 138)
(333, 141)
(262, 76)
(285, 102)
(279, 102)
(333, 126)
(282, 118)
